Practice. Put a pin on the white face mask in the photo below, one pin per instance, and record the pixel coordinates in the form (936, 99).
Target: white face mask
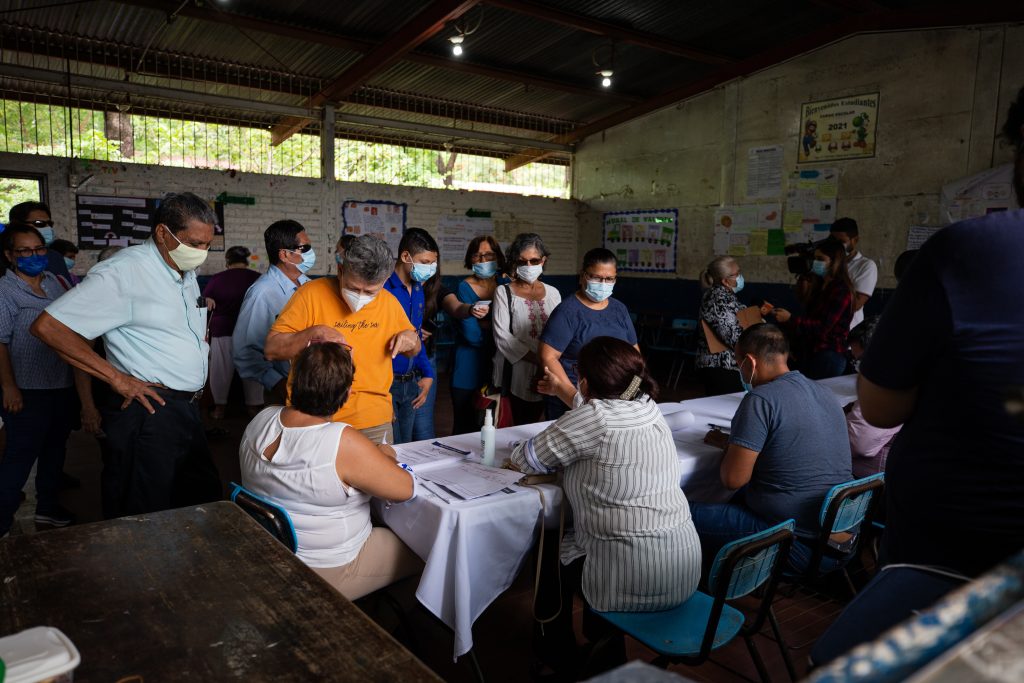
(529, 273)
(355, 300)
(186, 257)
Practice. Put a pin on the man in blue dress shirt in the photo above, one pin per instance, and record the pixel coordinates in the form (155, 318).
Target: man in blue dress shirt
(287, 248)
(145, 303)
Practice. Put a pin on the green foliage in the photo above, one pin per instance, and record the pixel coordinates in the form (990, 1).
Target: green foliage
(15, 191)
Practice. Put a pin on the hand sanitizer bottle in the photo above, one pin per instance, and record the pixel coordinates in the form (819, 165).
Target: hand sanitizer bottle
(487, 439)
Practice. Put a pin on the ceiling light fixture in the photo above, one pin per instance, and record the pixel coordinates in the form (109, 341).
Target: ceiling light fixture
(604, 59)
(465, 26)
(456, 42)
(606, 77)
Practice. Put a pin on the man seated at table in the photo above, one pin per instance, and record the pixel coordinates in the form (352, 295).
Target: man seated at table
(787, 448)
(352, 309)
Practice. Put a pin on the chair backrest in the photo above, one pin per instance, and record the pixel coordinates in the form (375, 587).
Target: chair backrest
(846, 505)
(267, 514)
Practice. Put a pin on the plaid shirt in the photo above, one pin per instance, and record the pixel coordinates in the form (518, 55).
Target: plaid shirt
(826, 324)
(35, 365)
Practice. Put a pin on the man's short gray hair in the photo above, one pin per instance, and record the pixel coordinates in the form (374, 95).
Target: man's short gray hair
(369, 259)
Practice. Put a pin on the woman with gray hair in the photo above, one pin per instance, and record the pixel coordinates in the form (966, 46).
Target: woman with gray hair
(521, 309)
(718, 307)
(351, 309)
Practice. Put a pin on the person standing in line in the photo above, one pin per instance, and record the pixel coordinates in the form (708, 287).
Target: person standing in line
(145, 303)
(863, 271)
(521, 309)
(37, 215)
(291, 256)
(414, 282)
(227, 290)
(69, 252)
(474, 342)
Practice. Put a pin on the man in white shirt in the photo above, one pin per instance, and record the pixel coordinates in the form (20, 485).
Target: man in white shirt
(863, 271)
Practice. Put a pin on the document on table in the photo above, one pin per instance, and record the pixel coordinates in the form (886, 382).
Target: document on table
(469, 480)
(432, 456)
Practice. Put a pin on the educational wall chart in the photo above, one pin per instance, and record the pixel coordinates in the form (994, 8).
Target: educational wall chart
(643, 241)
(978, 195)
(840, 128)
(811, 200)
(382, 219)
(749, 230)
(105, 221)
(455, 232)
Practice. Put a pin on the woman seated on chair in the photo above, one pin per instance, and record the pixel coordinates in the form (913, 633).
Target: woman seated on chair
(324, 474)
(633, 532)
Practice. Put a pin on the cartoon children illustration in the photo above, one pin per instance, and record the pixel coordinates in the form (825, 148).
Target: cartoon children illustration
(810, 139)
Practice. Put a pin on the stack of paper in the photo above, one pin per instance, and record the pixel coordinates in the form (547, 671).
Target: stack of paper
(468, 480)
(424, 458)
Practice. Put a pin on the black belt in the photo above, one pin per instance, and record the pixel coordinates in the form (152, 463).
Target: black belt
(189, 396)
(411, 375)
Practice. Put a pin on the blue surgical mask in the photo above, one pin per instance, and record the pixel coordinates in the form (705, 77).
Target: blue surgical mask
(69, 262)
(32, 265)
(308, 261)
(739, 284)
(485, 270)
(747, 386)
(47, 235)
(598, 291)
(339, 259)
(421, 272)
(819, 268)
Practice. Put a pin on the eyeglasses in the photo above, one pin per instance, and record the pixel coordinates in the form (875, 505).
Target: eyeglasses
(301, 248)
(486, 257)
(41, 224)
(29, 251)
(530, 262)
(605, 280)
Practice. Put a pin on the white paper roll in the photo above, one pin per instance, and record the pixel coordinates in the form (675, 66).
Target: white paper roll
(680, 420)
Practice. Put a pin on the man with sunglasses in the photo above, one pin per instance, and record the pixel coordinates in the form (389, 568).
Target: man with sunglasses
(291, 256)
(145, 303)
(37, 215)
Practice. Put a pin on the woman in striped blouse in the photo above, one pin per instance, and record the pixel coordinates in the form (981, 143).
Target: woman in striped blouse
(632, 520)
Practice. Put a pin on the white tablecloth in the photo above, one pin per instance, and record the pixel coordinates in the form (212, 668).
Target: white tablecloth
(474, 549)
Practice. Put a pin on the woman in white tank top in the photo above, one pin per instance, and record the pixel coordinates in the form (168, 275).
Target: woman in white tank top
(324, 474)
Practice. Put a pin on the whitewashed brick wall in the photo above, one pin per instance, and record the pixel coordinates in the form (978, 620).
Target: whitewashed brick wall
(314, 203)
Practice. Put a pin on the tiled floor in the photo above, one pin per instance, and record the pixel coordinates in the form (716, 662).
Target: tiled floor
(503, 633)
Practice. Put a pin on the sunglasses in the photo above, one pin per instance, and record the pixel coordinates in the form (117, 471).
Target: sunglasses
(530, 262)
(41, 224)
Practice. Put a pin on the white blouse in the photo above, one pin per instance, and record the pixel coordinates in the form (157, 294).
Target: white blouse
(528, 320)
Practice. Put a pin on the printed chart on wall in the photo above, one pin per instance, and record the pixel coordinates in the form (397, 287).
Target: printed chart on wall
(810, 204)
(978, 195)
(643, 241)
(749, 230)
(113, 221)
(385, 220)
(841, 128)
(455, 232)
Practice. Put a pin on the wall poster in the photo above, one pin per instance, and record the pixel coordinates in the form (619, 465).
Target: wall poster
(840, 128)
(455, 232)
(811, 200)
(382, 219)
(105, 221)
(643, 241)
(749, 230)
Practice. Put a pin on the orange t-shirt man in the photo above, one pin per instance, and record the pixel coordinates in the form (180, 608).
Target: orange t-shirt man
(367, 331)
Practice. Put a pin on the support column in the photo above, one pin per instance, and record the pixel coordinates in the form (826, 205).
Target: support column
(327, 143)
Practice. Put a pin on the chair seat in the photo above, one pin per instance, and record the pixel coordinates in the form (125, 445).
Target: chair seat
(678, 632)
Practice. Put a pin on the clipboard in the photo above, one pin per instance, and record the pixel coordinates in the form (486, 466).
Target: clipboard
(751, 315)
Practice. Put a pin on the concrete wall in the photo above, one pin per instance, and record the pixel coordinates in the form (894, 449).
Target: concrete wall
(314, 203)
(944, 94)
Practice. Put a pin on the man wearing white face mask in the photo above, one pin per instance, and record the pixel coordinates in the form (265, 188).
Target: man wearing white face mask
(352, 309)
(588, 314)
(145, 303)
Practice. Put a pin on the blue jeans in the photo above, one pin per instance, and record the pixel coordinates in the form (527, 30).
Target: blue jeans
(423, 417)
(824, 364)
(721, 523)
(39, 431)
(403, 393)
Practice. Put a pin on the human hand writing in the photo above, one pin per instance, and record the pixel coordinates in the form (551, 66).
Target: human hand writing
(717, 438)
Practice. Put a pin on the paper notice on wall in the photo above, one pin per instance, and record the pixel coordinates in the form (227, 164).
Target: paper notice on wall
(455, 232)
(643, 240)
(384, 220)
(918, 235)
(764, 172)
(745, 229)
(978, 195)
(811, 202)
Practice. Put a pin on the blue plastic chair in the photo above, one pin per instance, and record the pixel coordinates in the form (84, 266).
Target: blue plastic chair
(269, 515)
(690, 632)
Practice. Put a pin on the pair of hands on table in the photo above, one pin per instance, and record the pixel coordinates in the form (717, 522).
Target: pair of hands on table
(717, 438)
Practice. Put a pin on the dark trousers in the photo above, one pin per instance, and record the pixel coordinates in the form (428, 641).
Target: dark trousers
(526, 412)
(465, 420)
(155, 462)
(554, 407)
(824, 364)
(718, 381)
(39, 431)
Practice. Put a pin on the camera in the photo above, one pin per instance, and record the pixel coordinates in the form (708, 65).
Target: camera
(800, 256)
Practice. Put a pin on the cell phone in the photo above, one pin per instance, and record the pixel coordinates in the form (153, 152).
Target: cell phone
(484, 303)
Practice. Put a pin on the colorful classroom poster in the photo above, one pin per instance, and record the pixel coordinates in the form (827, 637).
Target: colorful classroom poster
(385, 220)
(811, 200)
(455, 232)
(978, 195)
(749, 230)
(841, 128)
(643, 241)
(764, 172)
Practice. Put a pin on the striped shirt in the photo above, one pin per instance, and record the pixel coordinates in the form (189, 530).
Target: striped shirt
(632, 520)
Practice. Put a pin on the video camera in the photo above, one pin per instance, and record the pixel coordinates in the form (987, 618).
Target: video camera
(800, 256)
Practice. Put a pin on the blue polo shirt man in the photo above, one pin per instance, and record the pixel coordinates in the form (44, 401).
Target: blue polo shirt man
(264, 301)
(145, 302)
(409, 371)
